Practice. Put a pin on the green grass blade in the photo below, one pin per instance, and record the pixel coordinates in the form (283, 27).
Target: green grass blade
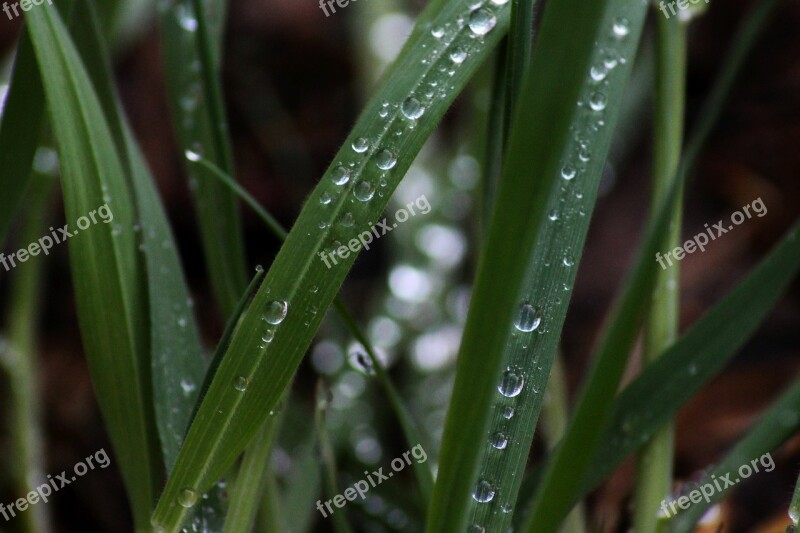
(19, 131)
(774, 428)
(228, 419)
(198, 116)
(412, 434)
(651, 399)
(106, 271)
(553, 165)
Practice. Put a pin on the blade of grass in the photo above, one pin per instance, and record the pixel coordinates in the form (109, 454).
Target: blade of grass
(410, 431)
(554, 161)
(105, 266)
(18, 357)
(290, 305)
(195, 99)
(774, 428)
(654, 469)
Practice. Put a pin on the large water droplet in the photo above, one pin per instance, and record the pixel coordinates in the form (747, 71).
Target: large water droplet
(364, 191)
(187, 498)
(458, 55)
(360, 145)
(412, 109)
(511, 383)
(340, 175)
(621, 27)
(568, 261)
(598, 101)
(528, 317)
(499, 441)
(276, 311)
(385, 160)
(484, 492)
(482, 21)
(241, 383)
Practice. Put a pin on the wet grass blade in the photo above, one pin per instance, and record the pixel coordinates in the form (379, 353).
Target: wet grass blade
(299, 287)
(109, 281)
(774, 428)
(21, 124)
(190, 38)
(653, 398)
(553, 164)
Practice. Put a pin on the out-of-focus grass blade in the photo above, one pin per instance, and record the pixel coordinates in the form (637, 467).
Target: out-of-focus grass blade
(773, 429)
(109, 281)
(191, 60)
(303, 486)
(299, 287)
(20, 128)
(412, 434)
(557, 147)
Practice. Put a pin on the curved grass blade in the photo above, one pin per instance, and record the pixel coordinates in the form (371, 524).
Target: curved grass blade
(412, 434)
(20, 127)
(109, 281)
(774, 428)
(653, 398)
(554, 161)
(190, 36)
(299, 287)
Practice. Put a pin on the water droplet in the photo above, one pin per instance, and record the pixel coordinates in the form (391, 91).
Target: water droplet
(506, 508)
(458, 55)
(340, 175)
(553, 215)
(568, 261)
(484, 492)
(182, 322)
(241, 383)
(621, 27)
(325, 199)
(187, 386)
(276, 311)
(360, 145)
(475, 528)
(347, 220)
(598, 72)
(568, 172)
(511, 383)
(499, 441)
(187, 498)
(385, 160)
(192, 155)
(268, 335)
(598, 101)
(508, 413)
(610, 59)
(528, 317)
(412, 109)
(364, 191)
(482, 21)
(437, 32)
(584, 154)
(186, 18)
(499, 2)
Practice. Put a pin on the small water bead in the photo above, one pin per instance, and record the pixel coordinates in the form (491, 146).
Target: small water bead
(511, 383)
(191, 155)
(182, 322)
(482, 21)
(508, 413)
(458, 55)
(412, 109)
(476, 528)
(364, 191)
(360, 145)
(186, 18)
(268, 335)
(528, 317)
(187, 386)
(568, 172)
(553, 215)
(340, 175)
(621, 27)
(437, 32)
(484, 492)
(241, 383)
(506, 508)
(325, 199)
(598, 101)
(347, 220)
(276, 311)
(584, 154)
(386, 160)
(499, 2)
(610, 59)
(598, 72)
(187, 498)
(322, 224)
(499, 441)
(474, 4)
